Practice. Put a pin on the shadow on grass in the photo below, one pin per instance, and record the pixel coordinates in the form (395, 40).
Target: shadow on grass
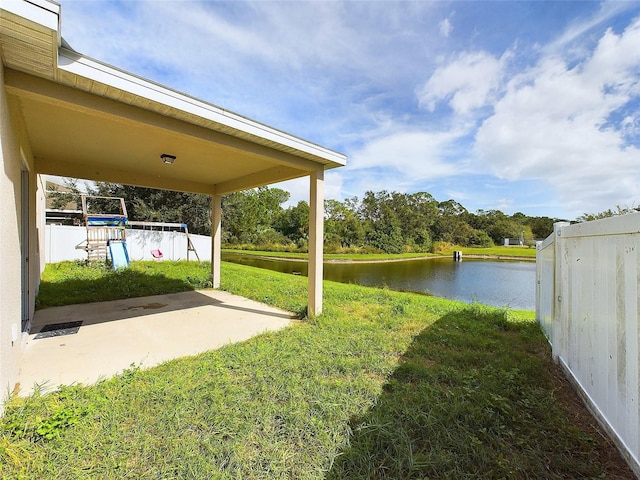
(75, 288)
(79, 283)
(473, 397)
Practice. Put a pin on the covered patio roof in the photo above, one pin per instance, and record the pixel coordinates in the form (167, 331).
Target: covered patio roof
(91, 120)
(86, 119)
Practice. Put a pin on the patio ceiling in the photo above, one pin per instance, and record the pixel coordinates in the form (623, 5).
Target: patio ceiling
(89, 120)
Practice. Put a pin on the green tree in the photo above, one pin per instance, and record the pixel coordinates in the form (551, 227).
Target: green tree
(504, 227)
(451, 208)
(541, 227)
(388, 221)
(416, 214)
(154, 205)
(249, 215)
(485, 219)
(449, 225)
(618, 210)
(386, 235)
(343, 228)
(293, 223)
(381, 222)
(68, 195)
(480, 238)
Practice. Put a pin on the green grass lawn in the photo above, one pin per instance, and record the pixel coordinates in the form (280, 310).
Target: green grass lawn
(383, 385)
(524, 252)
(501, 251)
(66, 283)
(355, 257)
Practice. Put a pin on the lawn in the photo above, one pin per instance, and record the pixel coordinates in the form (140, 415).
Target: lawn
(383, 385)
(71, 282)
(492, 252)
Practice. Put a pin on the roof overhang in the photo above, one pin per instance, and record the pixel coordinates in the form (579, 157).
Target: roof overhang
(89, 120)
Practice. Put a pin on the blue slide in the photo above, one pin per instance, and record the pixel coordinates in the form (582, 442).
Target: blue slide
(118, 253)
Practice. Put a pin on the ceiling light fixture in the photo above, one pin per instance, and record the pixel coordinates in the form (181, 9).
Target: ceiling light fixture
(168, 159)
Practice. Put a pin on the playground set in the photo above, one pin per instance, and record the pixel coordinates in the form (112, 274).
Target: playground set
(106, 221)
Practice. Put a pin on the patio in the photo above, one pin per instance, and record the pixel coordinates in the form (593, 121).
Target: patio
(142, 332)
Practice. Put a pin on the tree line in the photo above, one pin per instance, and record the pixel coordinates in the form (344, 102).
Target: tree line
(390, 222)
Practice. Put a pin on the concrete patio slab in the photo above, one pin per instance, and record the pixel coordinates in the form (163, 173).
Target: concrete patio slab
(143, 331)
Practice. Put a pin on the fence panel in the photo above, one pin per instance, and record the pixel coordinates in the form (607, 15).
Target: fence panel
(61, 241)
(545, 267)
(588, 304)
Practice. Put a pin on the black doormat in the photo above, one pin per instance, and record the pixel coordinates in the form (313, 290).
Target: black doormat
(58, 329)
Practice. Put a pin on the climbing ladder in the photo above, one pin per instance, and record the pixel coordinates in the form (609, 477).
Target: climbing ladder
(102, 227)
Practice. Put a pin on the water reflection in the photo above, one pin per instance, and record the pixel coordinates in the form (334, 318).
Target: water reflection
(491, 282)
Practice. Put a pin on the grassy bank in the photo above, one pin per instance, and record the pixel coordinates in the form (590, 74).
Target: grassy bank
(523, 252)
(492, 252)
(383, 385)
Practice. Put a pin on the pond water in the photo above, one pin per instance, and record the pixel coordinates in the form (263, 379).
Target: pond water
(499, 283)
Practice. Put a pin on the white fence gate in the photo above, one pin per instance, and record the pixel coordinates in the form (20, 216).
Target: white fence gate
(61, 241)
(587, 303)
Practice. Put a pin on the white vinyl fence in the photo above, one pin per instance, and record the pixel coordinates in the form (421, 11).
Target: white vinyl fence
(61, 241)
(587, 303)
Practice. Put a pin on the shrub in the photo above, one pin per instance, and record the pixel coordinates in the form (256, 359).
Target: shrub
(480, 238)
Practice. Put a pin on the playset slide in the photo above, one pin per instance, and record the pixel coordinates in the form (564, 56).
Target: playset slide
(119, 254)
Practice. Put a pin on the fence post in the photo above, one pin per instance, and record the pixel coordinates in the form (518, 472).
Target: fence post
(560, 327)
(539, 281)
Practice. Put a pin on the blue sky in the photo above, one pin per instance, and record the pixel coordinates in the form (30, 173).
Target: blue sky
(509, 105)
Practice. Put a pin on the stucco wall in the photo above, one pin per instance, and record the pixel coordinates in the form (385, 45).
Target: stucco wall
(9, 246)
(16, 157)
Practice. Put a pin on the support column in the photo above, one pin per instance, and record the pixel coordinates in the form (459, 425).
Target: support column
(316, 237)
(216, 239)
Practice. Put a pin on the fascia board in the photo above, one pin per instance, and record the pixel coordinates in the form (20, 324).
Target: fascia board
(42, 12)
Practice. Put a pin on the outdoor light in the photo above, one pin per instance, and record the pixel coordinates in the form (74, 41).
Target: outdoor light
(168, 159)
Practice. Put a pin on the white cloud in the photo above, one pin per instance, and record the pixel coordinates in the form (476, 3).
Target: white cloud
(415, 154)
(299, 188)
(320, 70)
(557, 123)
(445, 27)
(297, 37)
(572, 36)
(467, 83)
(404, 161)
